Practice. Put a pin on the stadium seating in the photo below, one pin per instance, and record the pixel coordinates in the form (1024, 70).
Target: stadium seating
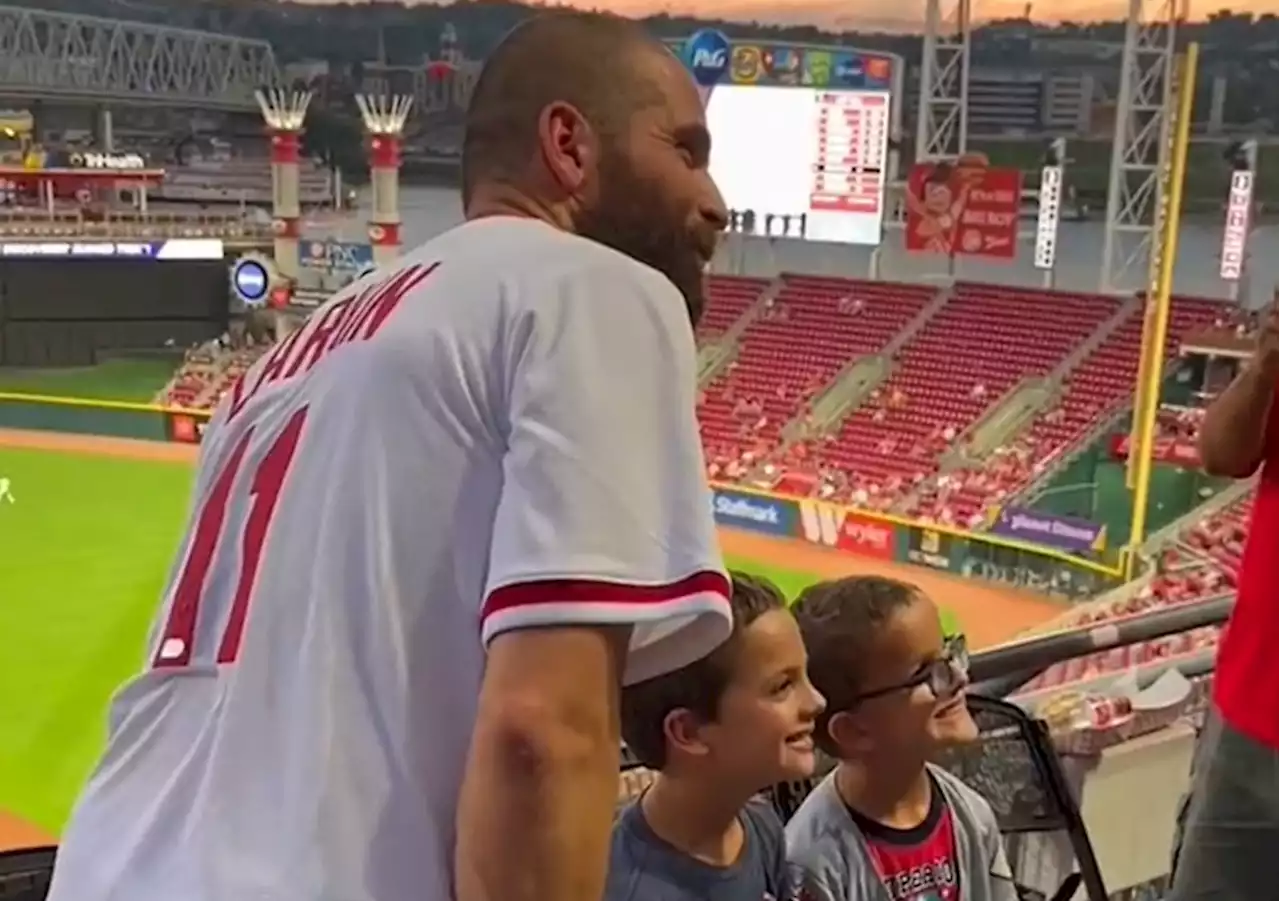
(978, 346)
(1203, 562)
(800, 342)
(207, 373)
(730, 296)
(1099, 384)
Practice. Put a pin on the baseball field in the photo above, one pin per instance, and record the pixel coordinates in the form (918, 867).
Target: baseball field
(87, 536)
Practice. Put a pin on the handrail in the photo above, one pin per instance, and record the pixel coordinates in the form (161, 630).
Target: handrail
(999, 671)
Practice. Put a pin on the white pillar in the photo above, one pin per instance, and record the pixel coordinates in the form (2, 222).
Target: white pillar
(384, 119)
(284, 113)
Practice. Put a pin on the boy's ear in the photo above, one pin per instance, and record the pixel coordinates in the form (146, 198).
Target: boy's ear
(682, 728)
(846, 732)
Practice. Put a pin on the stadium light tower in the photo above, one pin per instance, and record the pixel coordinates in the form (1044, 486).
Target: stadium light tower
(1135, 190)
(384, 119)
(285, 112)
(942, 130)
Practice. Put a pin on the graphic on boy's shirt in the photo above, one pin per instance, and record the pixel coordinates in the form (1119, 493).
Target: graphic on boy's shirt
(918, 870)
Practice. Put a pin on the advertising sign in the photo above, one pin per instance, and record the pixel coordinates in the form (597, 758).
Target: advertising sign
(251, 279)
(926, 547)
(1235, 234)
(1046, 248)
(186, 429)
(1174, 451)
(172, 249)
(754, 512)
(335, 256)
(1066, 533)
(836, 527)
(963, 209)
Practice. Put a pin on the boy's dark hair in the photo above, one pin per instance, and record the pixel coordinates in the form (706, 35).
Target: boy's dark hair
(697, 687)
(839, 620)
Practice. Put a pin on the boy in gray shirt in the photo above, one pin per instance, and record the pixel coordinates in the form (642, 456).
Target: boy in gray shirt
(717, 732)
(886, 825)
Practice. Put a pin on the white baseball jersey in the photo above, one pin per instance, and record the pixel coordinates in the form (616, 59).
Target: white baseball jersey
(497, 433)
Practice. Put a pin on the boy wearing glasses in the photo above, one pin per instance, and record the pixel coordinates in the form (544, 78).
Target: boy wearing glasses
(887, 825)
(718, 732)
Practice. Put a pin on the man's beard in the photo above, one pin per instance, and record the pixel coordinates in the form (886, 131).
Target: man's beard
(631, 216)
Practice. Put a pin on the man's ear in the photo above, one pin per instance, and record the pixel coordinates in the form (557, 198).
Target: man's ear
(569, 146)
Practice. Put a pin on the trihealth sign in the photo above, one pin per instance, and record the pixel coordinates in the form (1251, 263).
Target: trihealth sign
(757, 513)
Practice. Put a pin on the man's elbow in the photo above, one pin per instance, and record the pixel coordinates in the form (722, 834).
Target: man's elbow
(1225, 460)
(534, 739)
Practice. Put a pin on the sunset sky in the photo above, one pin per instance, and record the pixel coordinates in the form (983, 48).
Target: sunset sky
(836, 13)
(894, 14)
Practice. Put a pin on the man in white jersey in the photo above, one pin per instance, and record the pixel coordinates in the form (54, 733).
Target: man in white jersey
(436, 528)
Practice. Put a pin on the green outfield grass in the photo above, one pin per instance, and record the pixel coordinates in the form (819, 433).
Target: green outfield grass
(84, 552)
(135, 381)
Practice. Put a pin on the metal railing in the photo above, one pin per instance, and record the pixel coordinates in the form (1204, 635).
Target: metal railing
(39, 224)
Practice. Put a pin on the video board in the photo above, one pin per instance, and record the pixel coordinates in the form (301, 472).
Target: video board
(800, 135)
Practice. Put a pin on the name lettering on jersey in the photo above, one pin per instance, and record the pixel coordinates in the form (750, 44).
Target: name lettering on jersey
(346, 321)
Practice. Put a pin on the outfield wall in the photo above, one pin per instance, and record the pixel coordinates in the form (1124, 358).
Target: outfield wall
(880, 536)
(115, 419)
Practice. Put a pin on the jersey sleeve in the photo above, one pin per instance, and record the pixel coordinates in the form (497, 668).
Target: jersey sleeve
(605, 513)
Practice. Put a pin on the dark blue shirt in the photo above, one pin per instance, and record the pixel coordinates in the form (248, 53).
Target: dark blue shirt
(643, 867)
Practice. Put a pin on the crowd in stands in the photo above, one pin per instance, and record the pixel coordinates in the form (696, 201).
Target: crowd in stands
(209, 370)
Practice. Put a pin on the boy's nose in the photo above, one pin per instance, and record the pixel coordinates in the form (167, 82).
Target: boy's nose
(817, 703)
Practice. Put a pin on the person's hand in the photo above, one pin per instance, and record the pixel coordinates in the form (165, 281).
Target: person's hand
(1267, 355)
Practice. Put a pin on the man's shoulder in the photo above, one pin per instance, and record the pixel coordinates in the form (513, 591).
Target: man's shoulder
(514, 250)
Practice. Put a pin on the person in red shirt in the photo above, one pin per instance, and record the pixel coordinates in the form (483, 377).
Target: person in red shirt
(1227, 846)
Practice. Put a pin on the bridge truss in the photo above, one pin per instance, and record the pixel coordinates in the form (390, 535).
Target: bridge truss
(60, 56)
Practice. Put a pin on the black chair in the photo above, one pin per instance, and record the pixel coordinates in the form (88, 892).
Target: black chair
(1016, 768)
(25, 874)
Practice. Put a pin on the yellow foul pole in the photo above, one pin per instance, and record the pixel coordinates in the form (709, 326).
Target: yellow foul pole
(1156, 328)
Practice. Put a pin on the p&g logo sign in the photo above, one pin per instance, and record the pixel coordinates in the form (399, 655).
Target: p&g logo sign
(706, 54)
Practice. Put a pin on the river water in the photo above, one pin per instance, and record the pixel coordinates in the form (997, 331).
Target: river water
(428, 211)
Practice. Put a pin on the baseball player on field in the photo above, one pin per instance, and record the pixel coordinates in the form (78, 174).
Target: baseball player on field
(437, 528)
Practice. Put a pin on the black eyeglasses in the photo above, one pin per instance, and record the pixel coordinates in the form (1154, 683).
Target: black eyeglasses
(944, 676)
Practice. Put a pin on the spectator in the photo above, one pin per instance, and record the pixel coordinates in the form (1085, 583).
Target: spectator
(1229, 835)
(887, 818)
(719, 731)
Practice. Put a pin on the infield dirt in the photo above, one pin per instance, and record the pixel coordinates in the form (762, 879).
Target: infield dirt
(991, 615)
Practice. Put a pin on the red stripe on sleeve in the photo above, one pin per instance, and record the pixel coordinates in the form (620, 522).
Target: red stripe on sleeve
(590, 591)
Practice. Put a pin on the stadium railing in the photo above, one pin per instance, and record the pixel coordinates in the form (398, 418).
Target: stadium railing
(1041, 793)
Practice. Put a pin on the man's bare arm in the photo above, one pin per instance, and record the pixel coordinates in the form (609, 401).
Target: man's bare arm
(1233, 438)
(541, 783)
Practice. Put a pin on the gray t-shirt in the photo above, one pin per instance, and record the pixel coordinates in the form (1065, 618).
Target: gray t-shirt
(643, 867)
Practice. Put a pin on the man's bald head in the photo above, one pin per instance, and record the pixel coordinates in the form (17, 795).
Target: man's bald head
(586, 60)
